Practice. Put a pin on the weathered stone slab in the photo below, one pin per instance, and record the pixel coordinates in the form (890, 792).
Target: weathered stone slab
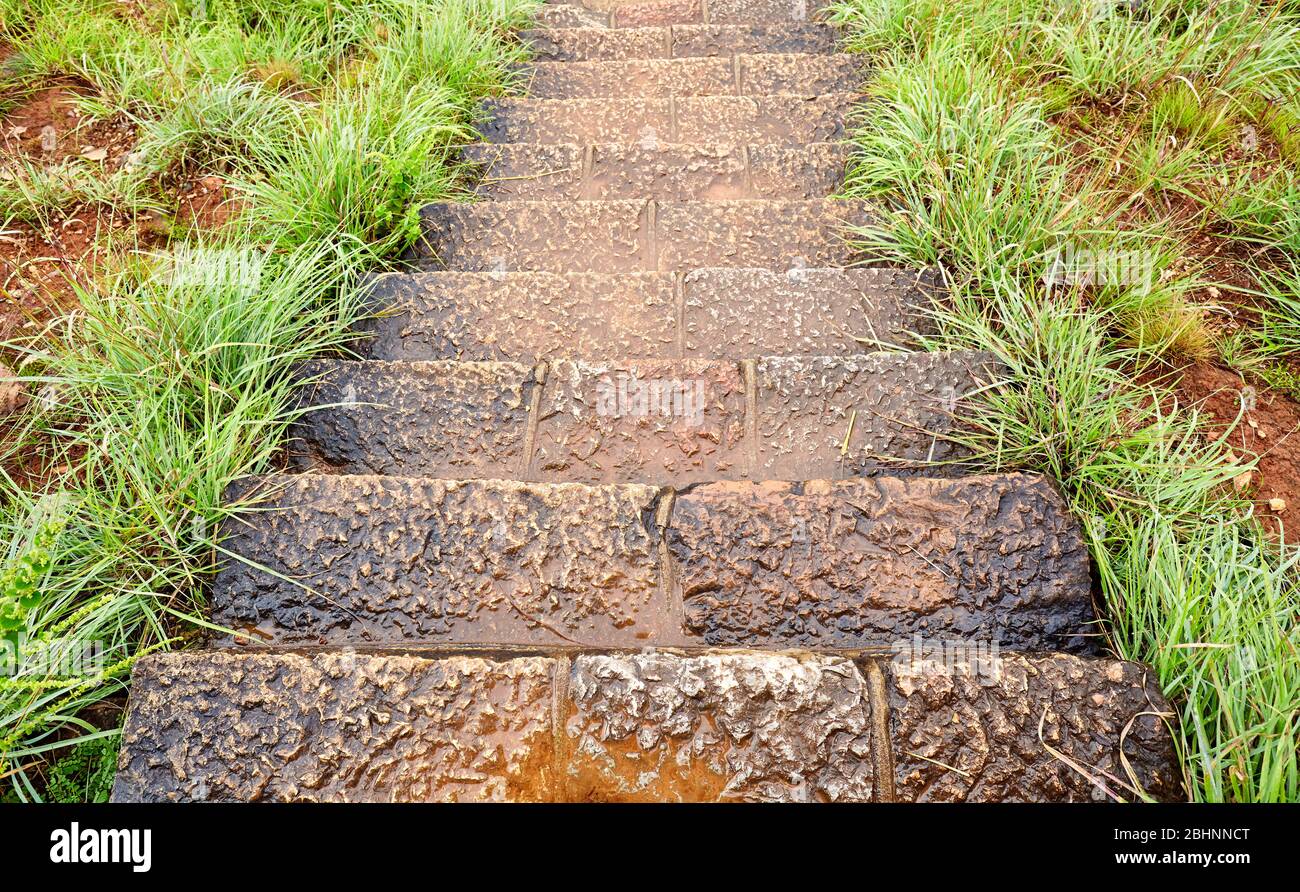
(778, 235)
(616, 236)
(813, 171)
(871, 562)
(355, 560)
(679, 41)
(773, 120)
(743, 313)
(832, 417)
(729, 40)
(657, 12)
(651, 169)
(1045, 728)
(563, 15)
(700, 120)
(590, 44)
(677, 422)
(668, 172)
(726, 727)
(446, 419)
(797, 74)
(522, 317)
(657, 78)
(749, 75)
(336, 727)
(542, 236)
(527, 172)
(577, 121)
(731, 11)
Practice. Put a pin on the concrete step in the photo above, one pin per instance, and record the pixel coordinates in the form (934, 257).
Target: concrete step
(343, 560)
(633, 236)
(670, 422)
(704, 314)
(732, 120)
(745, 75)
(679, 41)
(527, 172)
(755, 726)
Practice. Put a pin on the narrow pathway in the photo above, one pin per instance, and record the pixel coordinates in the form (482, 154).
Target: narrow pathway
(630, 499)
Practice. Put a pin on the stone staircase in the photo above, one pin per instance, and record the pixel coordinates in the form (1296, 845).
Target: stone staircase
(631, 496)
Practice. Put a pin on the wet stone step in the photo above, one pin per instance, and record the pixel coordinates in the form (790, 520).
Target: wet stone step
(672, 422)
(679, 41)
(387, 561)
(1049, 728)
(743, 75)
(630, 236)
(723, 313)
(756, 727)
(664, 172)
(837, 564)
(738, 120)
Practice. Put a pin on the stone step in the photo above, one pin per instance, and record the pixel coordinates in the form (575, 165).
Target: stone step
(679, 41)
(343, 560)
(704, 314)
(634, 236)
(754, 726)
(529, 172)
(671, 422)
(735, 120)
(642, 13)
(745, 75)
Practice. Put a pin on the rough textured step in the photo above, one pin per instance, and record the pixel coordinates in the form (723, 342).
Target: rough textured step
(391, 561)
(744, 75)
(738, 120)
(678, 42)
(703, 314)
(562, 15)
(654, 421)
(638, 727)
(631, 236)
(651, 170)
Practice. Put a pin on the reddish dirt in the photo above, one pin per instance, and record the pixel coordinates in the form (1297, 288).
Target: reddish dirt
(1269, 429)
(53, 109)
(205, 204)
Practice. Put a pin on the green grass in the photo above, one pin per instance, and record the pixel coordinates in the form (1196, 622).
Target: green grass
(1004, 135)
(173, 378)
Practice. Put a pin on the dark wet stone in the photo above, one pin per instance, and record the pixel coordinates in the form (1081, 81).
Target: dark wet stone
(741, 313)
(657, 12)
(839, 416)
(726, 727)
(447, 419)
(522, 317)
(870, 562)
(634, 77)
(382, 560)
(626, 236)
(1045, 728)
(651, 421)
(216, 727)
(527, 172)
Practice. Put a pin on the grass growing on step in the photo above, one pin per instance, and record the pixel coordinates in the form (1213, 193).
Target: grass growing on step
(1025, 148)
(335, 121)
